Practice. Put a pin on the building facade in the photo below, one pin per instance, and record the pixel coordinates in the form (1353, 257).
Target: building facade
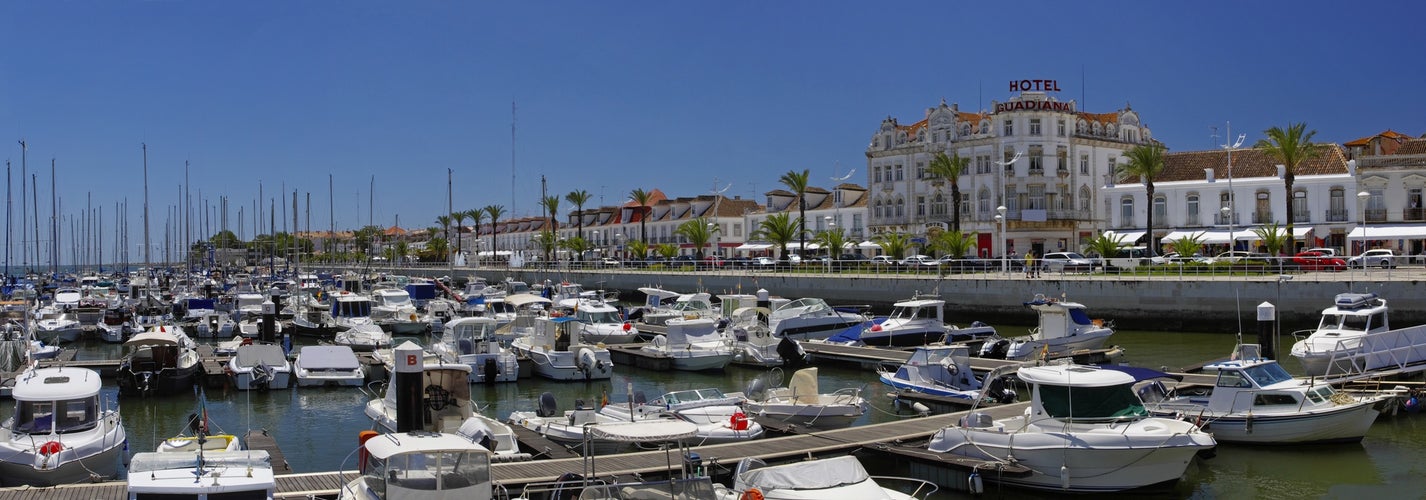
(1041, 159)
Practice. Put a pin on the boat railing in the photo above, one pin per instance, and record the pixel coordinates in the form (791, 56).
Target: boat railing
(919, 488)
(1302, 335)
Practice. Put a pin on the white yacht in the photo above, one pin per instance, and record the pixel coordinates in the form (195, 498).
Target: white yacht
(161, 361)
(1064, 327)
(810, 318)
(260, 366)
(574, 428)
(1085, 431)
(1256, 401)
(363, 338)
(350, 309)
(393, 309)
(1354, 338)
(600, 321)
(801, 403)
(553, 344)
(719, 417)
(446, 400)
(693, 345)
(421, 465)
(471, 342)
(211, 474)
(327, 366)
(943, 371)
(920, 321)
(55, 326)
(59, 432)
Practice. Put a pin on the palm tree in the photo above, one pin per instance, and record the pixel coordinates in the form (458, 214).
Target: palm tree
(951, 167)
(1105, 245)
(1188, 246)
(547, 241)
(1145, 161)
(445, 222)
(552, 207)
(834, 240)
(797, 183)
(893, 244)
(638, 247)
(642, 198)
(495, 212)
(778, 228)
(459, 224)
(578, 198)
(1290, 148)
(697, 232)
(476, 216)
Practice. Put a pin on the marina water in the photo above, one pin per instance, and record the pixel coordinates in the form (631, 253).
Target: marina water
(317, 428)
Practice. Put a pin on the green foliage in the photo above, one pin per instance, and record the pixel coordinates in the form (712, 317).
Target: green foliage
(953, 244)
(1104, 244)
(1144, 162)
(1273, 237)
(638, 249)
(551, 204)
(1188, 246)
(834, 240)
(778, 229)
(495, 212)
(226, 239)
(1290, 148)
(577, 246)
(578, 197)
(666, 250)
(437, 250)
(950, 168)
(797, 182)
(893, 244)
(547, 241)
(643, 198)
(697, 232)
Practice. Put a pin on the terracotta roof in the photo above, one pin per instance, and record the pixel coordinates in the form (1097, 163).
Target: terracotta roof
(1412, 147)
(912, 128)
(815, 189)
(1388, 134)
(849, 187)
(735, 208)
(1189, 165)
(780, 192)
(1101, 117)
(970, 117)
(395, 231)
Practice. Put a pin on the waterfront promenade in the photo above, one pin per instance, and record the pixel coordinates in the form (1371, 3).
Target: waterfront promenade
(1169, 301)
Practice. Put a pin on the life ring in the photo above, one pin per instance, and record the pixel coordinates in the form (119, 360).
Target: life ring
(751, 494)
(51, 448)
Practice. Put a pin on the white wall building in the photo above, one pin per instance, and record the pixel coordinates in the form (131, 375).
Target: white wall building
(844, 207)
(1040, 158)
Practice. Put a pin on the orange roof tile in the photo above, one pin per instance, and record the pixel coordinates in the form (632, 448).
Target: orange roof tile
(1189, 165)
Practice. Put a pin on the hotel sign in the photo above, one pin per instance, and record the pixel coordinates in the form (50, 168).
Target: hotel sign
(1035, 86)
(1033, 105)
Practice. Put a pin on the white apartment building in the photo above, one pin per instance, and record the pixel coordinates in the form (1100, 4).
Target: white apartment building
(844, 207)
(1040, 158)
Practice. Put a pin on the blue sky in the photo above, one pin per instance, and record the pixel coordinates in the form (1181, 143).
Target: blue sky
(614, 96)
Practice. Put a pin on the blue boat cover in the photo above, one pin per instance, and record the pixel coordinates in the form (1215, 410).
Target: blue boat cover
(1140, 373)
(854, 333)
(1079, 317)
(421, 291)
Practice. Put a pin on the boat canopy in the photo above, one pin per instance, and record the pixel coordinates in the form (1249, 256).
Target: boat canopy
(645, 431)
(265, 354)
(1141, 373)
(148, 462)
(808, 475)
(56, 384)
(151, 338)
(328, 357)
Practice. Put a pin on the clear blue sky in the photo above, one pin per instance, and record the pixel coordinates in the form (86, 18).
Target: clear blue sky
(623, 95)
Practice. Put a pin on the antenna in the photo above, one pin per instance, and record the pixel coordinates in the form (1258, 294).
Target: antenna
(512, 156)
(844, 177)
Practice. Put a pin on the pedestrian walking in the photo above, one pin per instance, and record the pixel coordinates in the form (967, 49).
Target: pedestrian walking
(1029, 263)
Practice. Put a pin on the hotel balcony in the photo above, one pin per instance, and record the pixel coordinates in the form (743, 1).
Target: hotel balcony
(1301, 217)
(1336, 215)
(1376, 214)
(1413, 214)
(1263, 217)
(1222, 220)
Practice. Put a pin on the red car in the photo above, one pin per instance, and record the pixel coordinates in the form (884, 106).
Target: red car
(1318, 261)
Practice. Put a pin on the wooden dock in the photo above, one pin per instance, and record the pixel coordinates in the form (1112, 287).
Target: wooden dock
(259, 439)
(513, 475)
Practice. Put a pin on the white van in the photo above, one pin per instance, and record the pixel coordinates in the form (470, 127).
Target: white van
(1130, 257)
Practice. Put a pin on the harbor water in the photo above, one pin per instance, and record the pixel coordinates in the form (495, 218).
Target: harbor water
(317, 428)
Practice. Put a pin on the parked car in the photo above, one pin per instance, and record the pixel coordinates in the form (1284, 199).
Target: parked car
(969, 263)
(882, 261)
(1318, 261)
(1065, 262)
(763, 262)
(714, 262)
(1380, 257)
(919, 260)
(739, 261)
(1237, 256)
(679, 260)
(1176, 259)
(609, 262)
(1330, 252)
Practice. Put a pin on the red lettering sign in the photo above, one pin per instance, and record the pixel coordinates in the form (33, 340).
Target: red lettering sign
(1035, 86)
(411, 359)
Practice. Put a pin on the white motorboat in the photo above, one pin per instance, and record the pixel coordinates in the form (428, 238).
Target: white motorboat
(364, 338)
(314, 322)
(921, 321)
(350, 309)
(754, 344)
(59, 432)
(600, 321)
(801, 403)
(1085, 431)
(55, 327)
(251, 327)
(943, 371)
(719, 417)
(113, 334)
(260, 366)
(1064, 328)
(658, 306)
(215, 325)
(554, 346)
(828, 478)
(162, 361)
(328, 366)
(247, 305)
(1355, 338)
(575, 428)
(692, 345)
(421, 465)
(446, 400)
(211, 474)
(810, 318)
(1256, 401)
(393, 309)
(471, 342)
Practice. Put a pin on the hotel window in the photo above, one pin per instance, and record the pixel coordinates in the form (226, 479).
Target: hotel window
(1037, 159)
(1009, 165)
(1084, 198)
(1012, 200)
(1161, 208)
(1035, 126)
(985, 127)
(877, 176)
(900, 207)
(921, 206)
(1037, 197)
(1062, 159)
(920, 170)
(1337, 205)
(1009, 127)
(837, 197)
(898, 173)
(1300, 212)
(737, 229)
(857, 223)
(1060, 127)
(938, 205)
(1111, 164)
(1084, 164)
(878, 209)
(1191, 211)
(1126, 212)
(983, 202)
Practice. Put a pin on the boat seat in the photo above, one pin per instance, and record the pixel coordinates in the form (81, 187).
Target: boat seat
(582, 417)
(977, 419)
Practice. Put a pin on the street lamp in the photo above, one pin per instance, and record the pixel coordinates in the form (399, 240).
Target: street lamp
(1228, 210)
(1000, 219)
(1362, 205)
(1228, 216)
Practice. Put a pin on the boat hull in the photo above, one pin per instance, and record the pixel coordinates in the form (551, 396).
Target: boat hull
(1342, 424)
(243, 380)
(166, 382)
(104, 464)
(1023, 349)
(926, 389)
(1091, 465)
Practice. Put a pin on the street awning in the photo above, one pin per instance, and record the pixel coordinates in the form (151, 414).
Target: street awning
(1248, 234)
(754, 246)
(1126, 236)
(1369, 232)
(1175, 235)
(868, 244)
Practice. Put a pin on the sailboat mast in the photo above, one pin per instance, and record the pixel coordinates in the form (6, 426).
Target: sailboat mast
(24, 202)
(54, 222)
(8, 203)
(147, 260)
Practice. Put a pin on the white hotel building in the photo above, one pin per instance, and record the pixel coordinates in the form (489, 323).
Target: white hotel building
(1040, 158)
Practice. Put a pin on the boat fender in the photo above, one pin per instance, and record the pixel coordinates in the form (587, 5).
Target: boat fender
(1411, 405)
(975, 485)
(739, 421)
(1064, 477)
(51, 448)
(751, 494)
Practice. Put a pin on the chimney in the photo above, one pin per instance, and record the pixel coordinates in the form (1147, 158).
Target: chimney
(1208, 174)
(1352, 168)
(1281, 171)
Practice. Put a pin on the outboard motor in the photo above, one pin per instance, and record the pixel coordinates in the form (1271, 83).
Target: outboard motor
(791, 352)
(995, 350)
(492, 370)
(548, 407)
(1000, 390)
(640, 398)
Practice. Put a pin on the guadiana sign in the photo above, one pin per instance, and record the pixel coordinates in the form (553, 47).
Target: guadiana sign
(1034, 105)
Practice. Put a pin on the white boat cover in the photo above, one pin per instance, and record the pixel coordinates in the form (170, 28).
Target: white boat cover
(328, 357)
(153, 461)
(152, 338)
(634, 432)
(804, 386)
(809, 475)
(255, 354)
(521, 299)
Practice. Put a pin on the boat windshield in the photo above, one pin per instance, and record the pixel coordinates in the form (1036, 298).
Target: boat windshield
(70, 415)
(904, 312)
(600, 317)
(1350, 322)
(691, 306)
(353, 308)
(430, 471)
(1267, 374)
(397, 299)
(1064, 402)
(476, 331)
